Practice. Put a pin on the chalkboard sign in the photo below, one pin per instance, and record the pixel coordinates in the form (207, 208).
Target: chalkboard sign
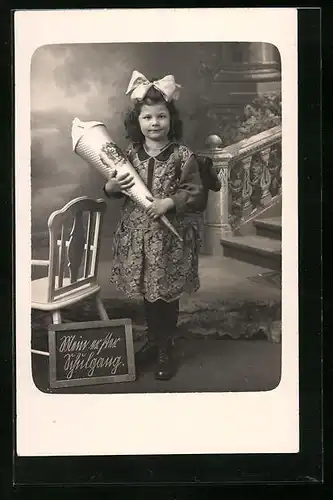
(93, 352)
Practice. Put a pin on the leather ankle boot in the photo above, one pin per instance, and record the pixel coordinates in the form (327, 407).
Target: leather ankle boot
(164, 368)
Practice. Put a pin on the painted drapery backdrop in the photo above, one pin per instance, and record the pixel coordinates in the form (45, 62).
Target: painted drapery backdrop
(89, 81)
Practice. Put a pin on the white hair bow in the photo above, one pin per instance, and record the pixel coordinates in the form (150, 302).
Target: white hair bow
(139, 86)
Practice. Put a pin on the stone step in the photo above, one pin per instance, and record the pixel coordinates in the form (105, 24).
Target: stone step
(270, 211)
(269, 227)
(257, 250)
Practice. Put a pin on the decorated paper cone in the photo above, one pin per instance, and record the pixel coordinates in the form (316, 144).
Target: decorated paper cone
(89, 140)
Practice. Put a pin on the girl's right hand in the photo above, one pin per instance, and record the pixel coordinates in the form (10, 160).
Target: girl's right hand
(119, 183)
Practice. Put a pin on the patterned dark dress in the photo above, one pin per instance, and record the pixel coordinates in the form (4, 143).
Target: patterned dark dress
(148, 260)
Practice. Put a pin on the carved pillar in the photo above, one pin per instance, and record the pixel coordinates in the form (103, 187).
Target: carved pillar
(247, 188)
(216, 216)
(265, 180)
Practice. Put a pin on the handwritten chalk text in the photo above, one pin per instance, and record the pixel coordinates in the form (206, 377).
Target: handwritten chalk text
(69, 343)
(82, 361)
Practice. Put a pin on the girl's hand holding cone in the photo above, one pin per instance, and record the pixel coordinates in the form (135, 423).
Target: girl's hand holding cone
(118, 182)
(159, 206)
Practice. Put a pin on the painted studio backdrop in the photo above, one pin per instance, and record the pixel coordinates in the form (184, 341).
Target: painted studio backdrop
(89, 81)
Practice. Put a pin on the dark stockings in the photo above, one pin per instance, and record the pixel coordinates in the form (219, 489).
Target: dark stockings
(162, 318)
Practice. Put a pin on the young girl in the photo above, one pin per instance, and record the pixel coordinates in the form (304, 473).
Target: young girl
(148, 260)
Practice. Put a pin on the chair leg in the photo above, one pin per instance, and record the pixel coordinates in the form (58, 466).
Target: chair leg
(101, 309)
(56, 317)
(37, 351)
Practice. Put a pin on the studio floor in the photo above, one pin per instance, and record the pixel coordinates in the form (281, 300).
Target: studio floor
(204, 362)
(202, 366)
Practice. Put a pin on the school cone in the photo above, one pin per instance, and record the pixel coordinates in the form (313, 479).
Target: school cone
(89, 140)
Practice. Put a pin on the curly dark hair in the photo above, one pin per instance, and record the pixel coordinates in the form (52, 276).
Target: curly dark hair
(131, 122)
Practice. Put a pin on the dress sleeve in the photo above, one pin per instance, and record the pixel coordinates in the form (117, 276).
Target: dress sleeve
(209, 176)
(190, 194)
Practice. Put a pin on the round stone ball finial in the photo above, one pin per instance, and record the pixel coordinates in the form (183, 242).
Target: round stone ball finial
(213, 141)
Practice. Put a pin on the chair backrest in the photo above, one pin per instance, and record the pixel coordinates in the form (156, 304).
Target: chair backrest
(74, 233)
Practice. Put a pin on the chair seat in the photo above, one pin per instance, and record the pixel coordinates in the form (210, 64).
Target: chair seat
(39, 293)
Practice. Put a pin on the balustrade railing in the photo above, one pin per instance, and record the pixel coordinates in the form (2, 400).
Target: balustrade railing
(250, 174)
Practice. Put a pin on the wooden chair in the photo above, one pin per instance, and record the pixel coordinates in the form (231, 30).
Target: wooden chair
(74, 242)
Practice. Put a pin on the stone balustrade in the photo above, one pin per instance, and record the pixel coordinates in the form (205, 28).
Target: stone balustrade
(250, 174)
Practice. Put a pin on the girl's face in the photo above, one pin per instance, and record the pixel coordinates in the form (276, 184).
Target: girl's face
(154, 120)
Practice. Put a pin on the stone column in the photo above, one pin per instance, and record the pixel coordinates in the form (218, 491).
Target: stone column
(216, 223)
(247, 70)
(251, 62)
